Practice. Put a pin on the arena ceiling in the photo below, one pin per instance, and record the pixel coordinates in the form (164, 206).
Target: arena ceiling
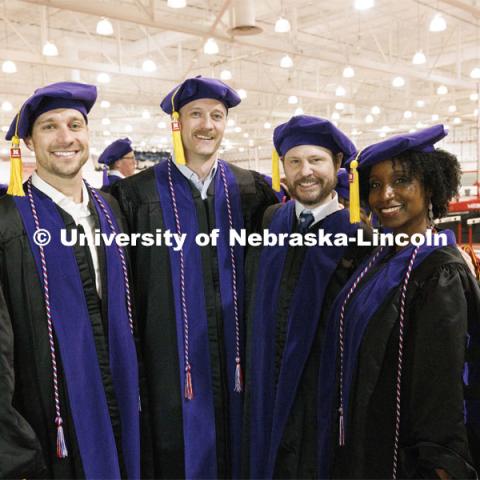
(378, 43)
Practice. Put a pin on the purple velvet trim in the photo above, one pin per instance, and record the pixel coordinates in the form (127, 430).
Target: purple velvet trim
(74, 335)
(198, 414)
(271, 403)
(226, 293)
(365, 302)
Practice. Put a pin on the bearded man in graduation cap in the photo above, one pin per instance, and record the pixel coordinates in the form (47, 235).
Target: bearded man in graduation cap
(292, 288)
(190, 302)
(69, 388)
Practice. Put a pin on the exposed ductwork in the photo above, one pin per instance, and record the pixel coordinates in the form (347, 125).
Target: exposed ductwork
(243, 18)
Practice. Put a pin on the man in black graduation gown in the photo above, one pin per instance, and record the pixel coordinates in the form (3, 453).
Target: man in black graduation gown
(119, 161)
(69, 394)
(190, 300)
(291, 290)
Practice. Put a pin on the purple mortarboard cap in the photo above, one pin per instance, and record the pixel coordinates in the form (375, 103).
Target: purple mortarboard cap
(343, 184)
(200, 87)
(307, 130)
(115, 151)
(78, 96)
(419, 141)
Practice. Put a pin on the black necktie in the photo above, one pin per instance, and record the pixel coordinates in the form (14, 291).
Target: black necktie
(305, 220)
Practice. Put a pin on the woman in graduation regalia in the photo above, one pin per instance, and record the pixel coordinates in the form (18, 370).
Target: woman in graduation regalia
(399, 375)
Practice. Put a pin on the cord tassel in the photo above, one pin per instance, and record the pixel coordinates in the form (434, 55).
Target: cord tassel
(275, 171)
(15, 186)
(62, 451)
(341, 429)
(188, 384)
(354, 192)
(238, 376)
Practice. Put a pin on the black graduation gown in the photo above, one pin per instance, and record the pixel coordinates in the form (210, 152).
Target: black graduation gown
(443, 300)
(139, 201)
(27, 408)
(296, 457)
(112, 179)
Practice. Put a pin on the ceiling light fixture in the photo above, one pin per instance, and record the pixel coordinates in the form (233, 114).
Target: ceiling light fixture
(407, 114)
(242, 93)
(7, 106)
(177, 3)
(438, 24)
(442, 90)
(419, 58)
(9, 67)
(104, 27)
(104, 104)
(103, 78)
(267, 125)
(398, 82)
(282, 25)
(340, 106)
(435, 117)
(348, 72)
(340, 91)
(292, 99)
(420, 103)
(452, 109)
(225, 75)
(364, 4)
(298, 111)
(49, 49)
(375, 110)
(475, 73)
(286, 62)
(149, 65)
(369, 119)
(211, 47)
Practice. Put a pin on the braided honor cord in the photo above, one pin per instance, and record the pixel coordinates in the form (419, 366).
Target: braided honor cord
(188, 368)
(341, 427)
(403, 295)
(238, 367)
(62, 451)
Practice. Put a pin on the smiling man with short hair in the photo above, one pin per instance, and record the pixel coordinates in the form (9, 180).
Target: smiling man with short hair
(292, 288)
(69, 388)
(190, 303)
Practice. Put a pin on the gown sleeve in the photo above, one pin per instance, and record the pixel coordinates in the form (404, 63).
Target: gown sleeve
(441, 318)
(21, 455)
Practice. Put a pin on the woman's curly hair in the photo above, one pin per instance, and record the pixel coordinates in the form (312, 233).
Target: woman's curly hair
(439, 173)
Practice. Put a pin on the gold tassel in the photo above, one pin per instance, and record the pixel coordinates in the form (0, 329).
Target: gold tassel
(178, 152)
(354, 192)
(15, 187)
(275, 171)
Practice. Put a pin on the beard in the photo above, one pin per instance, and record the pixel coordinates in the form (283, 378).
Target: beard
(314, 197)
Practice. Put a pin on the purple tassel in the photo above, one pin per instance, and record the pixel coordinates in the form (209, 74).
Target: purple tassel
(106, 181)
(341, 429)
(62, 451)
(238, 377)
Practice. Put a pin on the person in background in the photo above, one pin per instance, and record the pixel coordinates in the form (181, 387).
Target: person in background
(399, 374)
(69, 386)
(190, 300)
(119, 161)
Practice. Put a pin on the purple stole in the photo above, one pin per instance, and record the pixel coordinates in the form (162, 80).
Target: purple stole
(76, 345)
(367, 299)
(271, 402)
(198, 413)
